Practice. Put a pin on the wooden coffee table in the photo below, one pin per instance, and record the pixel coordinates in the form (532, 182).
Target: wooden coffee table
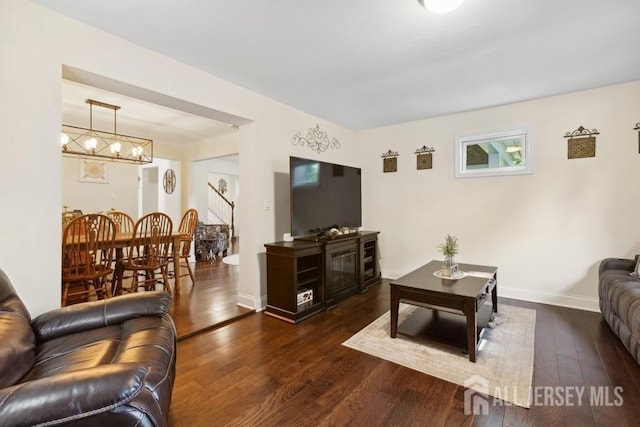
(464, 298)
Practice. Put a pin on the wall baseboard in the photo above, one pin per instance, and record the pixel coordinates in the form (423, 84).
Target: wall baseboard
(248, 301)
(551, 298)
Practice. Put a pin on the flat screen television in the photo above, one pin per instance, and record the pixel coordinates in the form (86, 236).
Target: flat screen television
(323, 195)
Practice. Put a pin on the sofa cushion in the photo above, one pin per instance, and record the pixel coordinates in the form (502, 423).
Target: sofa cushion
(623, 297)
(105, 363)
(146, 341)
(619, 294)
(17, 351)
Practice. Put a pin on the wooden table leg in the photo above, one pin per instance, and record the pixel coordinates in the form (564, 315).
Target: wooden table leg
(118, 272)
(472, 328)
(176, 264)
(494, 295)
(395, 306)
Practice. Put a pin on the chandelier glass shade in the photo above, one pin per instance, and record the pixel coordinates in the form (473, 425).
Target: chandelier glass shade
(91, 143)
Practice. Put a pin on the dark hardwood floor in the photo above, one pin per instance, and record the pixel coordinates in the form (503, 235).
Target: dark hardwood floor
(261, 371)
(211, 302)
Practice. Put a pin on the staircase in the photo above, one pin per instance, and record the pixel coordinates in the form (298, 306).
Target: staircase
(220, 210)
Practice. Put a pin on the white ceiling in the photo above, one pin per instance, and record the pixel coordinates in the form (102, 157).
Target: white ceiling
(369, 63)
(136, 117)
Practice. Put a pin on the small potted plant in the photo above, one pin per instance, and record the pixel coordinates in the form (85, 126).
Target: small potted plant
(449, 249)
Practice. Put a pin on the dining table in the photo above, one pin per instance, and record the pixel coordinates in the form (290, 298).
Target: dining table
(124, 240)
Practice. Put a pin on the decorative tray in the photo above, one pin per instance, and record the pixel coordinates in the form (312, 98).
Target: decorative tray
(455, 276)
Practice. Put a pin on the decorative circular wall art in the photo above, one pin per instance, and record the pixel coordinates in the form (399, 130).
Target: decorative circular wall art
(169, 181)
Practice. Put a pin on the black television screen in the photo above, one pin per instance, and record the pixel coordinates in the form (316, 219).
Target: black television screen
(323, 195)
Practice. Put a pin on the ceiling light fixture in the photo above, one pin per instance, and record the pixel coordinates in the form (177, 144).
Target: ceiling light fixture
(441, 6)
(90, 143)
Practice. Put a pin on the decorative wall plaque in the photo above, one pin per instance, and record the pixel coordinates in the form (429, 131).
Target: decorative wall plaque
(424, 161)
(424, 157)
(390, 161)
(390, 164)
(578, 148)
(581, 143)
(95, 172)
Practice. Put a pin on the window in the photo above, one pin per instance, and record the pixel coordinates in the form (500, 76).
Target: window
(500, 152)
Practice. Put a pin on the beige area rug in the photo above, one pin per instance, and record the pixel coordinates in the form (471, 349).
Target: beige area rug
(232, 259)
(504, 364)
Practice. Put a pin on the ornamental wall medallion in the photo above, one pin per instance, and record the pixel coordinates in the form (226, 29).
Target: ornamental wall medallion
(169, 181)
(222, 186)
(317, 139)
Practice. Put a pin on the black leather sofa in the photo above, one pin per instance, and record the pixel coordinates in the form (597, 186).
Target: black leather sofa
(619, 295)
(104, 363)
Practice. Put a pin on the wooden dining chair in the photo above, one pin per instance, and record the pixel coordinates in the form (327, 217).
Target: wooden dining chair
(87, 253)
(124, 225)
(187, 227)
(148, 253)
(123, 221)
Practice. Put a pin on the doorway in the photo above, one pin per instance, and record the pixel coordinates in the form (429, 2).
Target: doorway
(149, 190)
(195, 132)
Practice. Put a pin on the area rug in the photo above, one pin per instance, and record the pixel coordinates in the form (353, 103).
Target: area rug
(504, 363)
(232, 259)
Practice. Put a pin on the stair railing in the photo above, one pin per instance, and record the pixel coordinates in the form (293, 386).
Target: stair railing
(222, 208)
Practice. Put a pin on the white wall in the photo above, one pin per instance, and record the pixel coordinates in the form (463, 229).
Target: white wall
(36, 44)
(546, 232)
(167, 203)
(120, 192)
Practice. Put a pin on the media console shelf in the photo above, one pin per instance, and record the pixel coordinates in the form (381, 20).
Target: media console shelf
(307, 277)
(369, 266)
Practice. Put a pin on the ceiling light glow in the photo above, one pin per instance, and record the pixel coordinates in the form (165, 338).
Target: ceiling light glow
(441, 6)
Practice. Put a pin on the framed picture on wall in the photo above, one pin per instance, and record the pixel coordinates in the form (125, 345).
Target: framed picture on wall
(93, 171)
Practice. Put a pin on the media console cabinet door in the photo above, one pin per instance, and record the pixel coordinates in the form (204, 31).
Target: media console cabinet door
(342, 270)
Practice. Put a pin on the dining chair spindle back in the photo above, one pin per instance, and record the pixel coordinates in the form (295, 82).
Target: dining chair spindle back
(123, 221)
(187, 227)
(149, 252)
(87, 252)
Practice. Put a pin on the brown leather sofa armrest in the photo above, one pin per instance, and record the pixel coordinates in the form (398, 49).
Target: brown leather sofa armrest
(617, 264)
(70, 396)
(96, 314)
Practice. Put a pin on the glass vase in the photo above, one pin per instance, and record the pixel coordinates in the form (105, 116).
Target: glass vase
(449, 268)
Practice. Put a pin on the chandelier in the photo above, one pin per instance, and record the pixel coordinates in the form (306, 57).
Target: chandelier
(91, 143)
